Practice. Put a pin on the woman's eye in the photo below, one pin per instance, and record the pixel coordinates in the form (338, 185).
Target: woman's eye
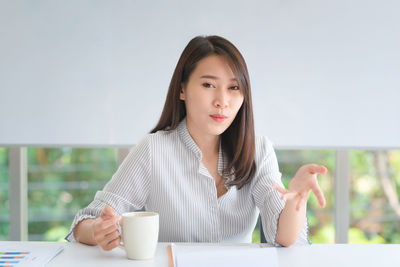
(207, 85)
(234, 87)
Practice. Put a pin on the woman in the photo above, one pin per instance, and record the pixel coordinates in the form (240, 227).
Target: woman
(202, 168)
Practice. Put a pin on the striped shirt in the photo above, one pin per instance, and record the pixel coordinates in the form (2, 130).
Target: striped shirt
(164, 173)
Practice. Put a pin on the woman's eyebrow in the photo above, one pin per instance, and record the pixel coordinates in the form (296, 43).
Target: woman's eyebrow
(214, 77)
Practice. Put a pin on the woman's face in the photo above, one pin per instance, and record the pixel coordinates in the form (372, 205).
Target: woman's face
(212, 97)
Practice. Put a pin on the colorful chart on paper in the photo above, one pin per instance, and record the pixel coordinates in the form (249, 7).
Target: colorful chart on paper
(10, 259)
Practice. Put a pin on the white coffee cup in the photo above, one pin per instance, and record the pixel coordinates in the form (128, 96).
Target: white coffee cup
(139, 234)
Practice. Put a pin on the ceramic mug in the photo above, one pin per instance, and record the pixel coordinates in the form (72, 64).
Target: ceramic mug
(139, 234)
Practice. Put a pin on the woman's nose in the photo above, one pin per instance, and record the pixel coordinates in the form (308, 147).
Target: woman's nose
(221, 99)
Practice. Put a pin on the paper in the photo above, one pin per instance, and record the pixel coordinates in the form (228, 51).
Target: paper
(223, 255)
(24, 255)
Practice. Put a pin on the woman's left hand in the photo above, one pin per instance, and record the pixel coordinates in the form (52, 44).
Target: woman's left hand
(302, 183)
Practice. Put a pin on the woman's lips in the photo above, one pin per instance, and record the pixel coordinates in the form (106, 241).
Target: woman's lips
(218, 118)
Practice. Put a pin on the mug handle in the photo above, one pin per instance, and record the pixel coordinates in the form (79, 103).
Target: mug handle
(121, 243)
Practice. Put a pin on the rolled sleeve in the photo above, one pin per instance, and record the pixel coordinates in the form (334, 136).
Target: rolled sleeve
(266, 198)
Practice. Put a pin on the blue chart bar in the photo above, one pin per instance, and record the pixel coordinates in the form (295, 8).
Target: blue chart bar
(13, 253)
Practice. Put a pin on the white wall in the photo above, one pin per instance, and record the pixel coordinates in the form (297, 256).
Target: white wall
(325, 74)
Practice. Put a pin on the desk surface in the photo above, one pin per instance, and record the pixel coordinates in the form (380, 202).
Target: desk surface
(326, 255)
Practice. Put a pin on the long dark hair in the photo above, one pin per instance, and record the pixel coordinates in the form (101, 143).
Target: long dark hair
(238, 141)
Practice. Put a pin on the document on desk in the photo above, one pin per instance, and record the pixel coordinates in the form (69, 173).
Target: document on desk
(25, 255)
(184, 255)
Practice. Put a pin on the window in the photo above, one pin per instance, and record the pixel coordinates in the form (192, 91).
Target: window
(4, 195)
(374, 197)
(63, 180)
(60, 182)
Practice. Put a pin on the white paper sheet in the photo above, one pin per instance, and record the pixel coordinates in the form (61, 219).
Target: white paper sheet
(37, 255)
(223, 255)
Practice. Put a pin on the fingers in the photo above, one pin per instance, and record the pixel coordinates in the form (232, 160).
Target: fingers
(316, 169)
(102, 224)
(315, 188)
(103, 237)
(112, 244)
(286, 194)
(105, 229)
(319, 194)
(110, 241)
(300, 190)
(107, 212)
(280, 189)
(289, 195)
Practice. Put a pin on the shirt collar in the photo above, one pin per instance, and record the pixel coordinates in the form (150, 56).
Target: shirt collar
(187, 139)
(192, 146)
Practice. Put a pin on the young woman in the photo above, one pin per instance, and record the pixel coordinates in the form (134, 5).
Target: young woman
(202, 168)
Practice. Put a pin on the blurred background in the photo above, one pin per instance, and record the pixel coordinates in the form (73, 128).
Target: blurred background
(63, 180)
(77, 76)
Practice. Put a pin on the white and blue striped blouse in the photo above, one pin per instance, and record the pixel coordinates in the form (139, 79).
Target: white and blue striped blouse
(164, 173)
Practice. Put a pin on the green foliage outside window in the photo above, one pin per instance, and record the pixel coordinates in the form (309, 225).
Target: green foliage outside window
(64, 180)
(374, 197)
(4, 195)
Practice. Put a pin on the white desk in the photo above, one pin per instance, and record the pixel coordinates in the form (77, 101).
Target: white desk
(317, 255)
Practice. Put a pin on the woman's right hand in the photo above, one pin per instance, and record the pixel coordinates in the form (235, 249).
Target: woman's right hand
(105, 229)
